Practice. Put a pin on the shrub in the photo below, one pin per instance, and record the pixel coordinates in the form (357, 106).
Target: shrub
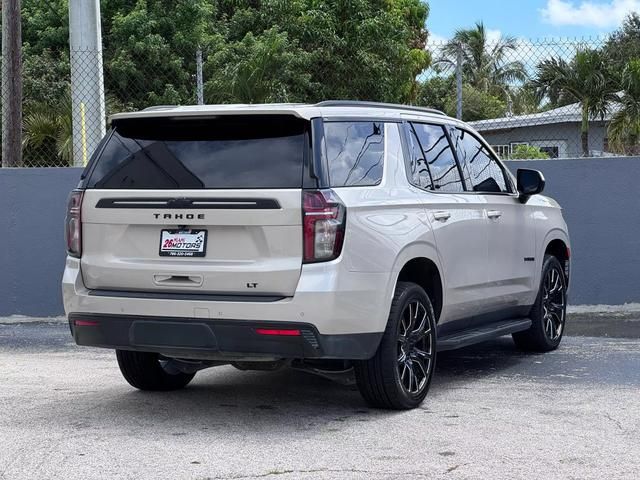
(528, 152)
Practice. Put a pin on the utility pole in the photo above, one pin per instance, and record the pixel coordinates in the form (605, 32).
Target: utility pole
(459, 83)
(87, 82)
(199, 82)
(11, 84)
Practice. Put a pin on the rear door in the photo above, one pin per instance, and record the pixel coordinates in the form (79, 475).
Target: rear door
(457, 218)
(511, 237)
(204, 205)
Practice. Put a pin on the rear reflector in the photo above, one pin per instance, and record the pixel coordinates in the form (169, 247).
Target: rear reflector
(85, 323)
(279, 332)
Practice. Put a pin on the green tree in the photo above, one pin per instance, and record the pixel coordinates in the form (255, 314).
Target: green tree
(436, 92)
(47, 130)
(624, 128)
(149, 55)
(261, 69)
(585, 79)
(315, 49)
(254, 51)
(478, 104)
(344, 50)
(45, 26)
(46, 76)
(524, 99)
(487, 65)
(624, 44)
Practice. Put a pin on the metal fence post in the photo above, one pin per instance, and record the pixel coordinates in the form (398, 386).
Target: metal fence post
(459, 83)
(11, 84)
(87, 82)
(199, 82)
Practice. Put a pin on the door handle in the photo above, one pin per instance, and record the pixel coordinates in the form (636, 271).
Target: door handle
(442, 216)
(494, 214)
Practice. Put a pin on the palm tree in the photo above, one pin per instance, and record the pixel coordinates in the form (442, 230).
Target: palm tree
(624, 128)
(47, 131)
(584, 79)
(485, 64)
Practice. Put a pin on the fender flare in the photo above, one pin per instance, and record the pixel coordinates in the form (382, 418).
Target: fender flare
(553, 234)
(409, 252)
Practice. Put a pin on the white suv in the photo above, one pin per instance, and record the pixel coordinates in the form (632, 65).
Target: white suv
(327, 236)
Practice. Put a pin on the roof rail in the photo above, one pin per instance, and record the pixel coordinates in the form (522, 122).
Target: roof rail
(395, 106)
(158, 107)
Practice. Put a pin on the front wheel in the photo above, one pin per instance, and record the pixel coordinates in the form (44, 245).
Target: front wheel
(548, 314)
(145, 371)
(398, 376)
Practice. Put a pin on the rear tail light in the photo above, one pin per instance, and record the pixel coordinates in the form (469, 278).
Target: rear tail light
(324, 218)
(73, 224)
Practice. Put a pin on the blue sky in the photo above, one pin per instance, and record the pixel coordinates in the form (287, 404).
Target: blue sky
(530, 18)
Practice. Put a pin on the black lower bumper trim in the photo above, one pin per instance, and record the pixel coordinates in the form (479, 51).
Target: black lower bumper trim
(216, 339)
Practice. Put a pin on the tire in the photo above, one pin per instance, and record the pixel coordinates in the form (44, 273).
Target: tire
(398, 376)
(549, 313)
(144, 371)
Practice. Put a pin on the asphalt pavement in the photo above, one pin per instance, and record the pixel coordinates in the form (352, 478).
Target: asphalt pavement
(492, 413)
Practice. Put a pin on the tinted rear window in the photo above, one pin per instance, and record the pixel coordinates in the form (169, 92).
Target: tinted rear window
(255, 151)
(355, 152)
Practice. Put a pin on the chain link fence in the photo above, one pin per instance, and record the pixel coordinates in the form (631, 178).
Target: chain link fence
(503, 87)
(529, 98)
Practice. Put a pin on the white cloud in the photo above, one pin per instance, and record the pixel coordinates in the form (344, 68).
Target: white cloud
(493, 36)
(588, 13)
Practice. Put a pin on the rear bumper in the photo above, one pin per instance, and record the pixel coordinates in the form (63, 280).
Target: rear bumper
(334, 300)
(194, 338)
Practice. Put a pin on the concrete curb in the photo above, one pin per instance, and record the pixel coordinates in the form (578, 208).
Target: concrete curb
(627, 308)
(17, 319)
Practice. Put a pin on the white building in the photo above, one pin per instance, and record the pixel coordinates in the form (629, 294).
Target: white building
(556, 132)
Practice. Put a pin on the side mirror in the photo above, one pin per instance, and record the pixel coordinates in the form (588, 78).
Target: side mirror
(530, 182)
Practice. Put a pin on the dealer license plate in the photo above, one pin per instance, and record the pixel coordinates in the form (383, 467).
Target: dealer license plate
(183, 243)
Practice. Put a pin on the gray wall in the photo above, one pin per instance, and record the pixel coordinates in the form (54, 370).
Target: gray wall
(32, 255)
(566, 136)
(601, 204)
(600, 197)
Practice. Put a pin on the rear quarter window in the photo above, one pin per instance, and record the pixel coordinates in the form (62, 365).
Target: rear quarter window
(228, 152)
(355, 153)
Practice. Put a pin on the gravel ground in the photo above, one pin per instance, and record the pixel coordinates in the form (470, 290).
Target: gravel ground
(492, 412)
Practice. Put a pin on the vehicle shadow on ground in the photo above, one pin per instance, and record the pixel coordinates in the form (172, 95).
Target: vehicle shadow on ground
(478, 361)
(224, 398)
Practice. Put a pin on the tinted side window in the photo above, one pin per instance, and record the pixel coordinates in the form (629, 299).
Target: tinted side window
(418, 171)
(355, 153)
(181, 153)
(482, 172)
(440, 160)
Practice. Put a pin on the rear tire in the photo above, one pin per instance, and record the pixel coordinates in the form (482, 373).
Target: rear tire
(398, 376)
(548, 314)
(144, 371)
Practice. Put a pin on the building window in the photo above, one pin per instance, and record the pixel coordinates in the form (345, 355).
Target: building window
(553, 152)
(503, 151)
(516, 144)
